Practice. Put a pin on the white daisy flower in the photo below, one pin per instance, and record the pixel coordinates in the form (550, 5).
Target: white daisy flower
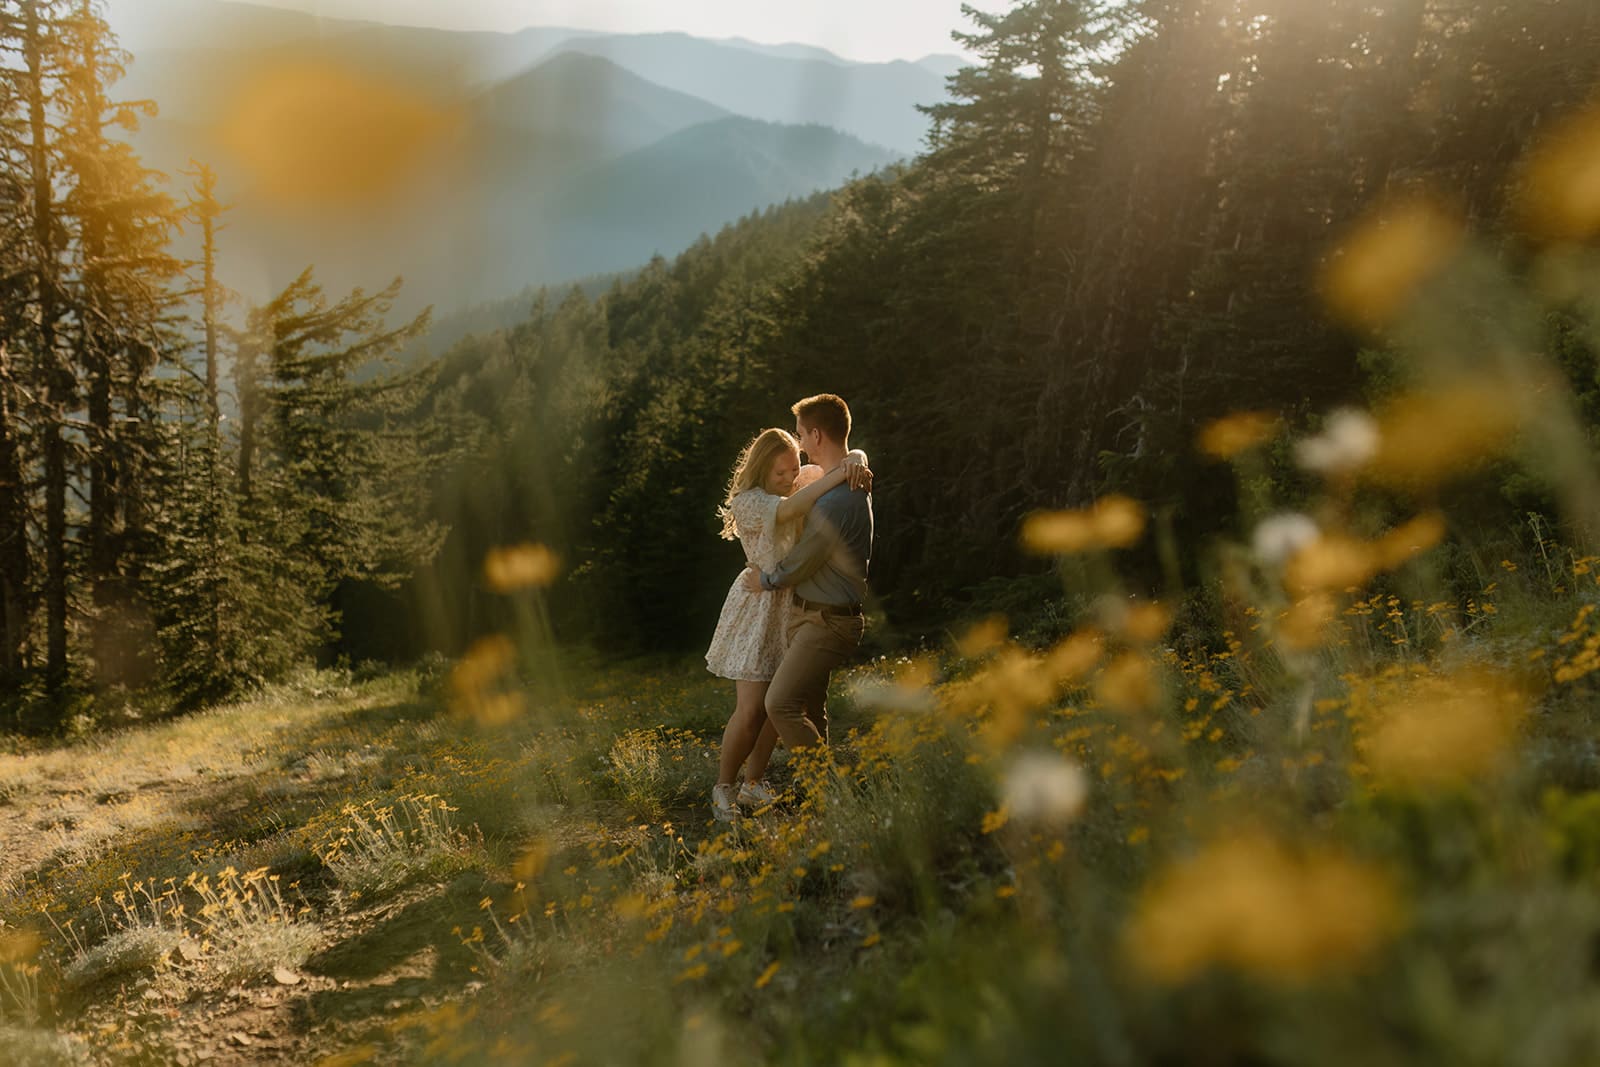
(1280, 536)
(1043, 787)
(1348, 440)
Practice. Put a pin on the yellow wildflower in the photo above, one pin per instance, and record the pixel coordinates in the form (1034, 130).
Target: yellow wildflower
(1112, 522)
(1332, 562)
(1561, 181)
(1252, 905)
(1426, 437)
(1128, 683)
(982, 638)
(1058, 533)
(1227, 437)
(525, 566)
(1374, 273)
(1443, 729)
(1118, 521)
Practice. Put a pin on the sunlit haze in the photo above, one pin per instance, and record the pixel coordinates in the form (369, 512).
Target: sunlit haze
(879, 31)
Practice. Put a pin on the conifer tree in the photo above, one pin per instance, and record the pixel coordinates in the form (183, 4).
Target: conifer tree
(35, 71)
(122, 298)
(343, 477)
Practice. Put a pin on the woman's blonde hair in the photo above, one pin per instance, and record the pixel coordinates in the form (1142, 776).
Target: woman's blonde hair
(751, 468)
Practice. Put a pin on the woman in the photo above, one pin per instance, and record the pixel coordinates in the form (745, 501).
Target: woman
(767, 501)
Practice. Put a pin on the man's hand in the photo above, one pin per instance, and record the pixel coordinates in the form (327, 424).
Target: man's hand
(857, 474)
(752, 580)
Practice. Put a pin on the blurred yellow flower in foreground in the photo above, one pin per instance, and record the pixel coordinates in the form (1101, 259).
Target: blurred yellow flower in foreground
(1373, 275)
(1561, 184)
(531, 864)
(476, 683)
(1253, 905)
(18, 945)
(317, 135)
(1143, 622)
(1331, 562)
(1410, 539)
(1443, 728)
(1128, 683)
(1012, 687)
(1111, 522)
(1118, 520)
(1071, 660)
(1017, 682)
(1058, 533)
(1227, 437)
(1426, 437)
(525, 566)
(983, 637)
(1336, 562)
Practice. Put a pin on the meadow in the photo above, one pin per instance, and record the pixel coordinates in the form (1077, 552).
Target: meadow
(1360, 825)
(1235, 373)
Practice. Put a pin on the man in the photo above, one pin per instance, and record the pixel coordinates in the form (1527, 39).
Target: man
(827, 569)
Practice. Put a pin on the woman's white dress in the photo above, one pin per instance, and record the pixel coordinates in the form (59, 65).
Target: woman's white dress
(748, 644)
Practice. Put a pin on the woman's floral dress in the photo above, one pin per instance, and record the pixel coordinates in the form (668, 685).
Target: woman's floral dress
(748, 644)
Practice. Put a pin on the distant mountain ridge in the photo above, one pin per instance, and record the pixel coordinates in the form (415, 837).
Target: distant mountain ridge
(705, 171)
(876, 102)
(566, 163)
(619, 111)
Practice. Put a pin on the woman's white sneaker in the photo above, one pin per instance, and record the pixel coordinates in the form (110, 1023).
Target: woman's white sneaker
(723, 804)
(757, 794)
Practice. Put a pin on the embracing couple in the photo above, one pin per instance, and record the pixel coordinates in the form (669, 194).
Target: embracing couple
(796, 612)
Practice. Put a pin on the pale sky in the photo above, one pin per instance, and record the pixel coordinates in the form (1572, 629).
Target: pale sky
(873, 30)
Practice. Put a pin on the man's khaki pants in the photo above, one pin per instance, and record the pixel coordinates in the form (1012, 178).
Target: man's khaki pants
(796, 699)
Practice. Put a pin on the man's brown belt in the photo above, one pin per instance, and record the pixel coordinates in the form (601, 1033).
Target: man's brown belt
(827, 609)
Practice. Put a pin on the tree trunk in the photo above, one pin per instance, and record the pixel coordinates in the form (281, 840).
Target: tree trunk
(14, 558)
(58, 379)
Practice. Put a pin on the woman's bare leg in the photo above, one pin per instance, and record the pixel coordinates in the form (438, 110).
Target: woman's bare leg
(755, 768)
(744, 730)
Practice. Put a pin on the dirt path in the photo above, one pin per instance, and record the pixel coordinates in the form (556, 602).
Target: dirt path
(238, 786)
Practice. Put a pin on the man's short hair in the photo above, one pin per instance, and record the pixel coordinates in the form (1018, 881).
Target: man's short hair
(827, 413)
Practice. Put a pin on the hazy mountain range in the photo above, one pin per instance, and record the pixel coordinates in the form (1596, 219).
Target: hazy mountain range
(546, 155)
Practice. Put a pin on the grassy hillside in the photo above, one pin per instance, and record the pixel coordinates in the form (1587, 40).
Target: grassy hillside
(1363, 835)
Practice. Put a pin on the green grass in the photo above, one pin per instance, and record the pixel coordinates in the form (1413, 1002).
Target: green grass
(942, 889)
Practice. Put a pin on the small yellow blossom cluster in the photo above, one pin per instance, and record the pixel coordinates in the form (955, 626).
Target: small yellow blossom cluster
(1210, 707)
(1581, 643)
